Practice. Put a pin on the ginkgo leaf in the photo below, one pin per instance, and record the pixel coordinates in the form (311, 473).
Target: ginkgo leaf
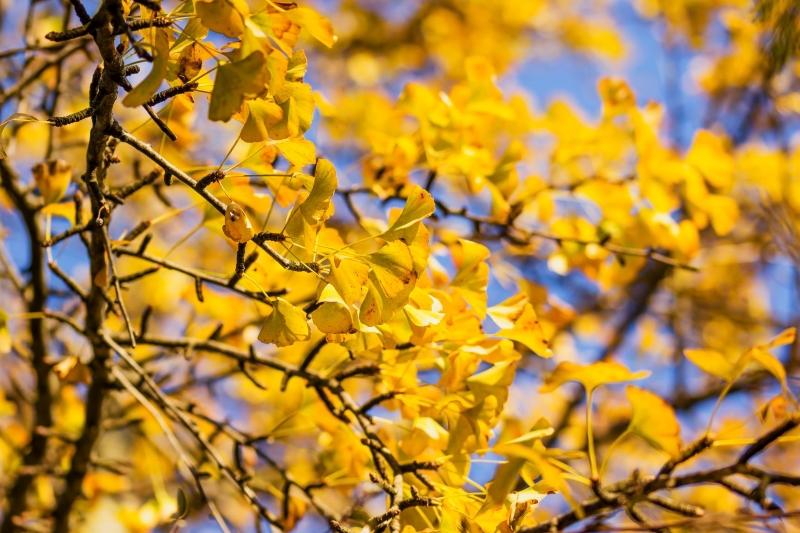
(423, 310)
(333, 315)
(551, 475)
(472, 273)
(784, 338)
(297, 66)
(261, 114)
(349, 277)
(316, 207)
(519, 322)
(223, 16)
(534, 434)
(14, 117)
(390, 281)
(761, 355)
(298, 151)
(52, 178)
(158, 71)
(65, 210)
(296, 100)
(493, 381)
(771, 364)
(317, 25)
(419, 205)
(286, 325)
(592, 375)
(712, 362)
(71, 370)
(190, 62)
(235, 81)
(717, 364)
(654, 420)
(237, 225)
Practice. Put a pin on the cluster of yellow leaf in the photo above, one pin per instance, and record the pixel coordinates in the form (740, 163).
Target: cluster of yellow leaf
(634, 190)
(259, 78)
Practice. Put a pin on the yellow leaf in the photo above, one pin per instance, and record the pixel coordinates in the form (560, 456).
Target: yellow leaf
(419, 205)
(261, 114)
(285, 325)
(534, 434)
(723, 211)
(14, 117)
(237, 226)
(190, 62)
(710, 155)
(551, 475)
(787, 336)
(234, 82)
(298, 151)
(332, 316)
(712, 362)
(771, 364)
(591, 376)
(72, 370)
(654, 420)
(519, 322)
(315, 207)
(472, 273)
(52, 178)
(223, 16)
(349, 277)
(142, 92)
(317, 25)
(64, 210)
(296, 100)
(493, 381)
(390, 281)
(429, 314)
(716, 364)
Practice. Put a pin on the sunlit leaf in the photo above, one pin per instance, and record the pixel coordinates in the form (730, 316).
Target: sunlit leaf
(592, 375)
(285, 325)
(654, 420)
(158, 71)
(234, 82)
(223, 16)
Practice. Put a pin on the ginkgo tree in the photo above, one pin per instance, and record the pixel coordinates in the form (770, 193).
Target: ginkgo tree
(295, 265)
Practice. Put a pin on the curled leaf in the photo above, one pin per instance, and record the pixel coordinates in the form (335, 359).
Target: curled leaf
(237, 226)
